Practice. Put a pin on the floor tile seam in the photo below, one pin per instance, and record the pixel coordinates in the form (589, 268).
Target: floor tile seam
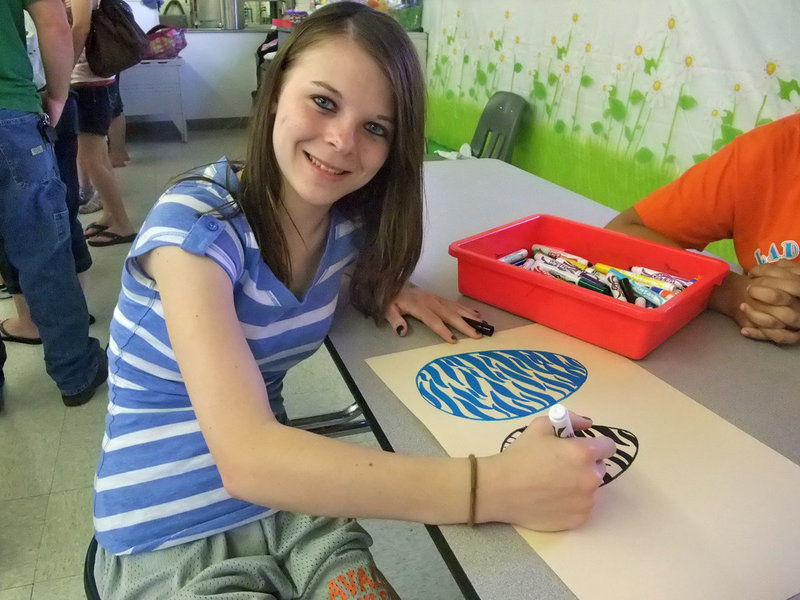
(41, 537)
(16, 587)
(26, 497)
(58, 451)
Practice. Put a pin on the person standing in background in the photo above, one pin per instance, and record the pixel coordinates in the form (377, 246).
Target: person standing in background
(22, 329)
(94, 120)
(34, 230)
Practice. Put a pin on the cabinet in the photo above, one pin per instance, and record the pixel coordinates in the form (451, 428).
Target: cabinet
(153, 87)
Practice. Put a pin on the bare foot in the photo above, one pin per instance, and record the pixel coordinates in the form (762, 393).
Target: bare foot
(119, 160)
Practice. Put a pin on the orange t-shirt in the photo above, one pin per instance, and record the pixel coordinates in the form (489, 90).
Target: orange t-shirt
(749, 191)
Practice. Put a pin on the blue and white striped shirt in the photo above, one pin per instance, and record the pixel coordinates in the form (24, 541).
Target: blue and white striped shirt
(157, 484)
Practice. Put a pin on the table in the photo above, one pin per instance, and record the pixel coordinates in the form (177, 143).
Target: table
(755, 386)
(153, 87)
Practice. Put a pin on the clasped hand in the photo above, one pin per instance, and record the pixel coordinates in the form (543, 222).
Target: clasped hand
(770, 303)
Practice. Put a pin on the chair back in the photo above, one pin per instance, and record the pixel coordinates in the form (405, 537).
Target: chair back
(498, 126)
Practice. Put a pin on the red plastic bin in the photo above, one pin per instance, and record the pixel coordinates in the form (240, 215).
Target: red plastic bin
(627, 329)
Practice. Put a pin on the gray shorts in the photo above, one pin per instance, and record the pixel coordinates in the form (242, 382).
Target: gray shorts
(282, 557)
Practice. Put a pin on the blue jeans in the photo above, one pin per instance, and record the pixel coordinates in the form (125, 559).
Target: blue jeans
(66, 156)
(35, 238)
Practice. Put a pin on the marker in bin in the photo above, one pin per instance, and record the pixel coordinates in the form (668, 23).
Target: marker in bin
(633, 289)
(514, 257)
(679, 282)
(567, 272)
(637, 277)
(570, 270)
(615, 287)
(559, 253)
(646, 293)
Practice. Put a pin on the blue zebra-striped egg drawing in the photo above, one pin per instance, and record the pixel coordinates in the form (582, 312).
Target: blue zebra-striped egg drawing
(496, 385)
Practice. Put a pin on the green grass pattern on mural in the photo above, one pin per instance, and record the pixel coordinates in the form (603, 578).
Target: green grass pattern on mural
(579, 164)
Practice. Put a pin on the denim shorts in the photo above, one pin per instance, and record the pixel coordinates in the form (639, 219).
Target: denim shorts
(116, 99)
(94, 108)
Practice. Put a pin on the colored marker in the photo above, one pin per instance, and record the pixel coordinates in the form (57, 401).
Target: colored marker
(616, 289)
(646, 293)
(665, 294)
(625, 286)
(643, 279)
(571, 273)
(596, 274)
(514, 256)
(679, 282)
(480, 326)
(559, 272)
(559, 419)
(559, 253)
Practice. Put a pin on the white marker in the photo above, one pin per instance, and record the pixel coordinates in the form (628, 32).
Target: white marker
(517, 256)
(559, 419)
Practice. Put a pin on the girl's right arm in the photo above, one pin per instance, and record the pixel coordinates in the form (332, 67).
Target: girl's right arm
(541, 482)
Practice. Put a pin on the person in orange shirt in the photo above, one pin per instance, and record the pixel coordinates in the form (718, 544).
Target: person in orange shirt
(749, 192)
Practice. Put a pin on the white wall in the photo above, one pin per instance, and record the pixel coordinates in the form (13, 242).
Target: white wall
(219, 70)
(219, 73)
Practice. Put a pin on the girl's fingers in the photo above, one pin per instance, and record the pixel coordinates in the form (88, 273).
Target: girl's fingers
(396, 320)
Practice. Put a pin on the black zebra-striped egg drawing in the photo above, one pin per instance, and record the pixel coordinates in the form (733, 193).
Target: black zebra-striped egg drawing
(496, 385)
(627, 447)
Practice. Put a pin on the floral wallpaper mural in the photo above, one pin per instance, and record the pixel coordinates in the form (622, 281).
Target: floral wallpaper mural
(623, 95)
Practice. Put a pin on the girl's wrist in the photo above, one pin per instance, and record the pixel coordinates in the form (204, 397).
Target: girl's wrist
(487, 507)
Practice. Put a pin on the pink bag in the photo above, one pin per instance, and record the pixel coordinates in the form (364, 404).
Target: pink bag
(165, 42)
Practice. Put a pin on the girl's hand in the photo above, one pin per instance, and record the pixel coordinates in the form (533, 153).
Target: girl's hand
(436, 312)
(543, 482)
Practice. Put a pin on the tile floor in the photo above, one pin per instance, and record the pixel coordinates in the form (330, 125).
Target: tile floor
(48, 452)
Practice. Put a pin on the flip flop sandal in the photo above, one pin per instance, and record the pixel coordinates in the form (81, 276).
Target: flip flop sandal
(7, 337)
(111, 239)
(92, 229)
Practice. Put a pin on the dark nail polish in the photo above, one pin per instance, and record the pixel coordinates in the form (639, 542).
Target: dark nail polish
(399, 330)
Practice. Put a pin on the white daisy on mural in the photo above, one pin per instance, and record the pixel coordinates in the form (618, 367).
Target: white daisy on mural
(641, 46)
(675, 24)
(619, 68)
(688, 66)
(658, 88)
(771, 68)
(715, 110)
(738, 87)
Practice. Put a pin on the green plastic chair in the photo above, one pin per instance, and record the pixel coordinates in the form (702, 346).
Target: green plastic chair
(498, 126)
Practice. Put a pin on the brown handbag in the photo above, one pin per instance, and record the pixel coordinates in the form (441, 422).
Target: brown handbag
(115, 41)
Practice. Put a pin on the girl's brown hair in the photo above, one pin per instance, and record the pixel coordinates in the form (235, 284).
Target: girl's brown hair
(390, 205)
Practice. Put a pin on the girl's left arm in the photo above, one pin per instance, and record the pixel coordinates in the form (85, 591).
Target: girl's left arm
(81, 20)
(438, 313)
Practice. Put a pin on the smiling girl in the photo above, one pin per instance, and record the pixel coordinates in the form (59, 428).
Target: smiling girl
(202, 489)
